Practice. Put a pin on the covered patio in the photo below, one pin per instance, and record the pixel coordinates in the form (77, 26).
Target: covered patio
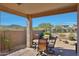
(34, 10)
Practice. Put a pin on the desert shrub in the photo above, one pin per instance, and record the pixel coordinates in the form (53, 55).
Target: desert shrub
(66, 42)
(62, 35)
(72, 37)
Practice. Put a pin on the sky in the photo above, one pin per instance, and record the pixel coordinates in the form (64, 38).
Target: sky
(67, 18)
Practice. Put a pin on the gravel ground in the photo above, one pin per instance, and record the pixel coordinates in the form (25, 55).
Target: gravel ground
(65, 49)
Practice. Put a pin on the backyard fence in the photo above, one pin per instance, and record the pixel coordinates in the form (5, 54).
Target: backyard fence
(11, 41)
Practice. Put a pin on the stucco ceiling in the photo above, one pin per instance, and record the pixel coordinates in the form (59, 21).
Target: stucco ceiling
(33, 8)
(37, 9)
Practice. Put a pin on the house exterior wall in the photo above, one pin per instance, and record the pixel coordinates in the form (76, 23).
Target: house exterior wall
(78, 29)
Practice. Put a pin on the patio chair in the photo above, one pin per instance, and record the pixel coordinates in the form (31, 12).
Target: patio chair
(35, 40)
(35, 44)
(76, 48)
(51, 45)
(42, 53)
(42, 45)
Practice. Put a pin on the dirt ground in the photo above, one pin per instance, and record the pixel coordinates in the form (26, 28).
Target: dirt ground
(65, 49)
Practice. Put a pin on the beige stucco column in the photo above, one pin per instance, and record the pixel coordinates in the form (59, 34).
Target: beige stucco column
(29, 32)
(78, 29)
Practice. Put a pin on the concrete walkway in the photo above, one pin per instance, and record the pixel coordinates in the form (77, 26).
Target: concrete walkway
(24, 52)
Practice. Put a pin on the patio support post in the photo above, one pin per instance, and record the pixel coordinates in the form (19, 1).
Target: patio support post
(78, 29)
(29, 32)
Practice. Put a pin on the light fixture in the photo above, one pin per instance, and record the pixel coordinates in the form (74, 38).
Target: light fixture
(19, 3)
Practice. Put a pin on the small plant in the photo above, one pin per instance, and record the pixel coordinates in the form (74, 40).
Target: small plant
(62, 35)
(66, 42)
(46, 33)
(72, 37)
(6, 42)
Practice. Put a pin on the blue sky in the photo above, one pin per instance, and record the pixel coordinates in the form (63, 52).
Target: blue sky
(67, 18)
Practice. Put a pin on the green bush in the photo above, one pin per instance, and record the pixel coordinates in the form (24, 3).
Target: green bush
(46, 33)
(66, 42)
(72, 37)
(6, 41)
(62, 35)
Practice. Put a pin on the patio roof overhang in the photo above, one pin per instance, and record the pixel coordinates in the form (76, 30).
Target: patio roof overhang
(33, 10)
(38, 9)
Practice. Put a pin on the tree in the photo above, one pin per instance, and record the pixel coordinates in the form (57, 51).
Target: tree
(46, 26)
(58, 28)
